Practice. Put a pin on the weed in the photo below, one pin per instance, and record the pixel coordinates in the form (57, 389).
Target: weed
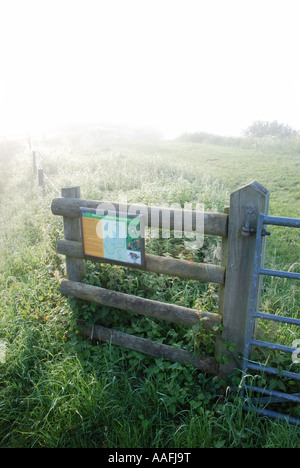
(58, 390)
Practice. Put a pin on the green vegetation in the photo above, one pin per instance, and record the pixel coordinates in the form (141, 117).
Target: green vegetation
(261, 129)
(58, 390)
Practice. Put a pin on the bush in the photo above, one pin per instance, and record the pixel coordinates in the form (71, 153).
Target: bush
(263, 129)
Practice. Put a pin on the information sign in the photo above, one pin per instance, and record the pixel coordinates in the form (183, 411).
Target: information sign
(113, 236)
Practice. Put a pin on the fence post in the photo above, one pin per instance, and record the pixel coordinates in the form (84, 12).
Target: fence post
(41, 178)
(224, 253)
(245, 205)
(34, 162)
(72, 231)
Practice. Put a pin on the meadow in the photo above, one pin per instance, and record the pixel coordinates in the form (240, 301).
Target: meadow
(58, 390)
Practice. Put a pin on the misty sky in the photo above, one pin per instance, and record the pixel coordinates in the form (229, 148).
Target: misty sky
(214, 65)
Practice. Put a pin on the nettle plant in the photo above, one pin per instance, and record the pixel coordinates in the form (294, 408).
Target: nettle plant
(178, 386)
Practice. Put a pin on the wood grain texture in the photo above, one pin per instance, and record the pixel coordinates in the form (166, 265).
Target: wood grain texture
(245, 204)
(202, 272)
(139, 305)
(145, 346)
(212, 223)
(72, 232)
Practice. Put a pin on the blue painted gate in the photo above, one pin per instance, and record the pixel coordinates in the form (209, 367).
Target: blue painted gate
(266, 396)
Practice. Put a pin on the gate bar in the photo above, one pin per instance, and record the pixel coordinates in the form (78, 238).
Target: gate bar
(272, 370)
(278, 347)
(279, 274)
(279, 396)
(274, 414)
(254, 314)
(279, 221)
(276, 318)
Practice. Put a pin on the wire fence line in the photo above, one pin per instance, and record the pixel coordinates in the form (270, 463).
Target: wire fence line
(53, 185)
(41, 176)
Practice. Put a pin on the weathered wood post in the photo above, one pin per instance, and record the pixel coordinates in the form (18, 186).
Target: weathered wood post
(224, 253)
(238, 256)
(34, 164)
(72, 232)
(41, 180)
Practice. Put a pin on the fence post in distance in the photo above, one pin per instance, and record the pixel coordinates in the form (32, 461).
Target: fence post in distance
(41, 177)
(34, 162)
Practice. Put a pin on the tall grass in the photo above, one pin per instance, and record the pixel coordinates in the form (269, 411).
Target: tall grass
(57, 390)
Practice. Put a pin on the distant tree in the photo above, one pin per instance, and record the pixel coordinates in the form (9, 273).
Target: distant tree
(262, 129)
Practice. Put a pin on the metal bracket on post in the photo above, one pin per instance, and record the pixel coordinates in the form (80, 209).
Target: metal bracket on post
(247, 230)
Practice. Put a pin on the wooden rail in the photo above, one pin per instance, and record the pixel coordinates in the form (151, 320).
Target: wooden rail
(204, 363)
(214, 223)
(233, 275)
(202, 272)
(139, 305)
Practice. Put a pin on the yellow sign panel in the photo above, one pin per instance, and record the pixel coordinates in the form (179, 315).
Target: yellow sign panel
(93, 245)
(115, 237)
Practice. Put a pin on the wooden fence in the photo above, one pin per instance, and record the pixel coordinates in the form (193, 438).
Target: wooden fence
(42, 179)
(234, 274)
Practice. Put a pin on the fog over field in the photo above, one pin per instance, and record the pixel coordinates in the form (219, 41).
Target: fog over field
(172, 65)
(124, 324)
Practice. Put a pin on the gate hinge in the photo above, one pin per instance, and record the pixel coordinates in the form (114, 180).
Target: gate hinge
(247, 230)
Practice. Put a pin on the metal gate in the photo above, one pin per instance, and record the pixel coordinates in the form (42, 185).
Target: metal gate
(259, 403)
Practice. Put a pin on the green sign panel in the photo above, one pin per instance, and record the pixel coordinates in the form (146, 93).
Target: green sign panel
(115, 237)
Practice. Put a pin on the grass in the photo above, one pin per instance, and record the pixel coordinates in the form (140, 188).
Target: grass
(57, 390)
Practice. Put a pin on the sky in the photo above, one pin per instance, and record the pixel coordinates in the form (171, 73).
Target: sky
(175, 65)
